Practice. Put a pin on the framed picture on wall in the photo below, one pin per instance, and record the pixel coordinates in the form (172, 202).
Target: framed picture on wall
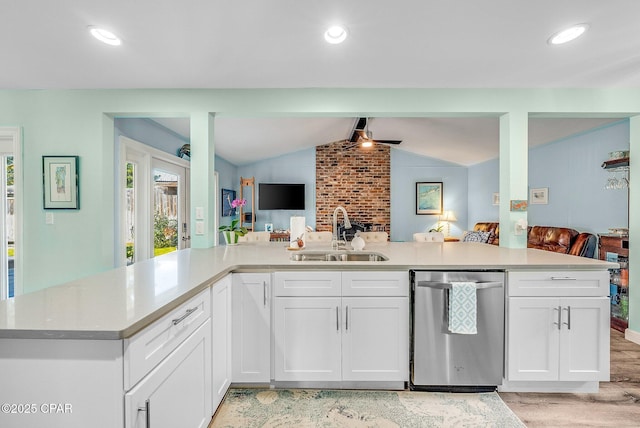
(227, 197)
(429, 198)
(539, 196)
(60, 182)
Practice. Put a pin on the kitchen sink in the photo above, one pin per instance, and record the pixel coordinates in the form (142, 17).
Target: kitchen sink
(337, 256)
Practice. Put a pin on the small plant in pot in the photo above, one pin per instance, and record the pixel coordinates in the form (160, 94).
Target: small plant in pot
(232, 231)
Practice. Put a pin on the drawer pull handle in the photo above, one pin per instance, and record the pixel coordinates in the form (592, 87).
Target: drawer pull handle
(563, 278)
(147, 410)
(183, 317)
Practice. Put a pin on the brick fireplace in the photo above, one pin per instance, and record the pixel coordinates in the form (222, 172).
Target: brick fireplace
(356, 178)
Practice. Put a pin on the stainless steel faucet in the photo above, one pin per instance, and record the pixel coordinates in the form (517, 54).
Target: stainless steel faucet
(335, 242)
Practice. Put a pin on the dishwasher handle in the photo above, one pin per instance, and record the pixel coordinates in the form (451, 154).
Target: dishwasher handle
(438, 285)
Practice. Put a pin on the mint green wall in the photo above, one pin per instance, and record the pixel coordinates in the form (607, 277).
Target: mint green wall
(78, 122)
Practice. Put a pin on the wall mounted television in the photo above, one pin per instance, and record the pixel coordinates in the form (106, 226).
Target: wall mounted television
(276, 196)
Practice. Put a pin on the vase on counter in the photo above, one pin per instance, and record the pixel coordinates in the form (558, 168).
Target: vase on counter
(230, 237)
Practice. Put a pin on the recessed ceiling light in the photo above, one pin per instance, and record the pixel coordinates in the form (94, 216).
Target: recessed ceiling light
(568, 34)
(105, 36)
(336, 34)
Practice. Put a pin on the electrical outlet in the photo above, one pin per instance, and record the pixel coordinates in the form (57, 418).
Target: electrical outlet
(199, 227)
(48, 218)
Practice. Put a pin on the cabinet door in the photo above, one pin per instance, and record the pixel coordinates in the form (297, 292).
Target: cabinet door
(251, 327)
(177, 393)
(307, 339)
(221, 338)
(375, 339)
(584, 339)
(533, 338)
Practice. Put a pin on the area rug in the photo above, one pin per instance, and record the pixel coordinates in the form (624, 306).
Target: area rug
(347, 408)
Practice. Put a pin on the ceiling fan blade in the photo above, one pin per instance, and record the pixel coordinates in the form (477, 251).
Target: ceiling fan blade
(359, 129)
(358, 134)
(388, 141)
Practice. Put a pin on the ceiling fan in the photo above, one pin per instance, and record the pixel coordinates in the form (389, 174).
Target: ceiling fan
(362, 135)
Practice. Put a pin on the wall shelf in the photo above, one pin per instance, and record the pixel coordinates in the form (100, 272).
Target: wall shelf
(616, 163)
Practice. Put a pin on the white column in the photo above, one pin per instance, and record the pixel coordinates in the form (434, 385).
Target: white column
(514, 152)
(202, 180)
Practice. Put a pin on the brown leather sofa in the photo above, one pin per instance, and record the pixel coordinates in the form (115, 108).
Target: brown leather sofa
(557, 239)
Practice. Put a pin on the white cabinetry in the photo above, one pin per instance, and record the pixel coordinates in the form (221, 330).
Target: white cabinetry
(563, 337)
(178, 391)
(221, 338)
(175, 391)
(341, 333)
(251, 328)
(307, 339)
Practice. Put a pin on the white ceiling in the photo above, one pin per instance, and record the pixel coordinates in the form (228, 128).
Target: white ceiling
(279, 44)
(464, 141)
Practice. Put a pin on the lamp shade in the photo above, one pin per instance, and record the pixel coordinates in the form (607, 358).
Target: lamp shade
(448, 216)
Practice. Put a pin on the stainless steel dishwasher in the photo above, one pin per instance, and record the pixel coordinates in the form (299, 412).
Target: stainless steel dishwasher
(444, 361)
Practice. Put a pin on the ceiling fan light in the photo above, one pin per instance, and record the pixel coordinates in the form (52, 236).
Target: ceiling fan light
(335, 35)
(568, 34)
(105, 36)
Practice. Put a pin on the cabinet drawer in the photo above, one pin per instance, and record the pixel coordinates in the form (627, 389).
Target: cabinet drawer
(307, 283)
(146, 349)
(373, 284)
(559, 283)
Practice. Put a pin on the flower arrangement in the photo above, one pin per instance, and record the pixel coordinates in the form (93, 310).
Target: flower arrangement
(232, 231)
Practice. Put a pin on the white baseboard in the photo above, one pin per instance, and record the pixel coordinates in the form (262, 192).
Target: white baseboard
(632, 336)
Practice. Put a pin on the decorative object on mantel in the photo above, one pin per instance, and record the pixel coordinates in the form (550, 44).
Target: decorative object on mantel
(60, 180)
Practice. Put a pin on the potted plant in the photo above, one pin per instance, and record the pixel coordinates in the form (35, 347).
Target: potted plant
(232, 231)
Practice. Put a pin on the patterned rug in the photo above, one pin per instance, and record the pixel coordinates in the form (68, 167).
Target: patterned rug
(337, 408)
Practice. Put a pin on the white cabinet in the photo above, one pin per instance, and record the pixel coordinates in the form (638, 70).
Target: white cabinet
(563, 339)
(375, 343)
(178, 391)
(345, 337)
(251, 328)
(221, 338)
(307, 343)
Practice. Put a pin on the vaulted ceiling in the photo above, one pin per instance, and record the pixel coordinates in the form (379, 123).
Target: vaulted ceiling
(279, 44)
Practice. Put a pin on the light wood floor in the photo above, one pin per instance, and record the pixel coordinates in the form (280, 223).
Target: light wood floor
(617, 404)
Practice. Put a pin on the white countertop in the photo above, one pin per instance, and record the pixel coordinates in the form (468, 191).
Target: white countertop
(118, 303)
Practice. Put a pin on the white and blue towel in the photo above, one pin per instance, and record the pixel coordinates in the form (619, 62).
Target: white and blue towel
(463, 308)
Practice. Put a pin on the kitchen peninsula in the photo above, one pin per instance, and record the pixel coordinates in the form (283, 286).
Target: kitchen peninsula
(135, 345)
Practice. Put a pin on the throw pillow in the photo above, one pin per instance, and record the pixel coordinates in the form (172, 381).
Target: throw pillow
(477, 237)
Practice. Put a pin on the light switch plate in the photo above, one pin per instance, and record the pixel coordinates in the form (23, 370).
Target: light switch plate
(199, 227)
(199, 213)
(48, 218)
